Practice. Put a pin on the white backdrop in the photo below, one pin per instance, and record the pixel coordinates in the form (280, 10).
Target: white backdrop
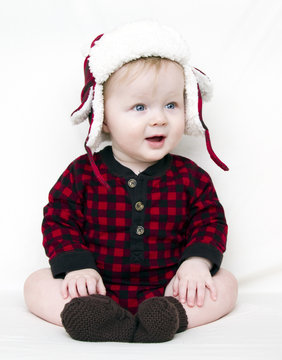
(236, 42)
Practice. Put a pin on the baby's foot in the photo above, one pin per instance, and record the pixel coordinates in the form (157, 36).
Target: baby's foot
(159, 319)
(97, 318)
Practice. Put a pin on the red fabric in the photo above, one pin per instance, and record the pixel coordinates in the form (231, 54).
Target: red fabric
(94, 166)
(88, 78)
(85, 225)
(212, 153)
(96, 39)
(207, 135)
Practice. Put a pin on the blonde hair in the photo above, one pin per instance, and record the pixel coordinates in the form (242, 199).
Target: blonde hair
(130, 70)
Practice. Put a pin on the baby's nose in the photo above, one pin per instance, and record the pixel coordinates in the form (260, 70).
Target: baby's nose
(158, 119)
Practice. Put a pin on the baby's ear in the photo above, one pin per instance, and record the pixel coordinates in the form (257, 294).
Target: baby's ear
(105, 127)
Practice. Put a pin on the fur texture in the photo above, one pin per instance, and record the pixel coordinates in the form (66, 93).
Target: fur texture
(130, 42)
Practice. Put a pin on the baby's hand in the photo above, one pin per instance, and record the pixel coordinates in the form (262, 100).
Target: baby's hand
(82, 283)
(191, 280)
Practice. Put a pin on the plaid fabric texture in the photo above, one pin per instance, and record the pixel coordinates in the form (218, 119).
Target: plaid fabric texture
(137, 234)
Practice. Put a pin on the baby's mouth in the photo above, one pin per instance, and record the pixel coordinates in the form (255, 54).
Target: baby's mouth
(155, 138)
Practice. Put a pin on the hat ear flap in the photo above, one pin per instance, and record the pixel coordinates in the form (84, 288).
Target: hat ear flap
(204, 83)
(83, 111)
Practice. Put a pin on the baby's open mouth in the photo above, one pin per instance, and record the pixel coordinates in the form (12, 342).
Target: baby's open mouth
(155, 138)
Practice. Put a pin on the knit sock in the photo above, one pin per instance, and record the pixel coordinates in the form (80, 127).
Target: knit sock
(159, 319)
(98, 318)
(183, 320)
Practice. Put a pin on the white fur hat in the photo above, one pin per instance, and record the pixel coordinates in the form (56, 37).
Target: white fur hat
(112, 50)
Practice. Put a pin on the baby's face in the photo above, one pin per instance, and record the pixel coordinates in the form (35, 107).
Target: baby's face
(144, 114)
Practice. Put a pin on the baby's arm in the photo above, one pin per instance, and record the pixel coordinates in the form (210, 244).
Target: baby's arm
(206, 241)
(191, 281)
(82, 283)
(63, 235)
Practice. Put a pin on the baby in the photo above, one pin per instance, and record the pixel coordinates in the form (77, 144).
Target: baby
(134, 234)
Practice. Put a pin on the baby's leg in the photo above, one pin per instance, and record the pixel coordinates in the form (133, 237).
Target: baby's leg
(227, 289)
(43, 297)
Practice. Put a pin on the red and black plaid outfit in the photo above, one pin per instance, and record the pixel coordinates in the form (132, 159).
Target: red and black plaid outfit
(137, 234)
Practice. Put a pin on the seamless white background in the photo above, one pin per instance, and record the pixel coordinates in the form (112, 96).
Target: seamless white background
(236, 42)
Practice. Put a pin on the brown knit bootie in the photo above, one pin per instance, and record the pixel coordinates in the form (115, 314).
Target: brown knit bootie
(98, 318)
(159, 319)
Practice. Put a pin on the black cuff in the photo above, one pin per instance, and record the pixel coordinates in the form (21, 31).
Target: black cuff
(205, 251)
(71, 261)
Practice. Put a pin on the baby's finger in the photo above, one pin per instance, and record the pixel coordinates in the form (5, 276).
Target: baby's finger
(210, 285)
(101, 287)
(64, 289)
(72, 289)
(175, 286)
(91, 286)
(182, 291)
(81, 287)
(191, 293)
(201, 290)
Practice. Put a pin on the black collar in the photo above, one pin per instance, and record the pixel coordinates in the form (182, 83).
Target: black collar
(120, 170)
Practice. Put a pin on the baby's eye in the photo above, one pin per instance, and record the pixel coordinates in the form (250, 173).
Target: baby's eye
(139, 107)
(170, 106)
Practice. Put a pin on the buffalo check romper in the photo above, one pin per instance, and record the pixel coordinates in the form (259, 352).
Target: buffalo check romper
(138, 233)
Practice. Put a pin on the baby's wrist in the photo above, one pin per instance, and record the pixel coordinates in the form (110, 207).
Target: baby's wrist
(201, 259)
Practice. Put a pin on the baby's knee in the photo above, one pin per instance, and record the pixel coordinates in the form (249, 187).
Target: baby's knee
(36, 277)
(42, 296)
(33, 282)
(230, 287)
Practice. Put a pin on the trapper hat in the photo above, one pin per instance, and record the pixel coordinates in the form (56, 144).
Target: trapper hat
(112, 50)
